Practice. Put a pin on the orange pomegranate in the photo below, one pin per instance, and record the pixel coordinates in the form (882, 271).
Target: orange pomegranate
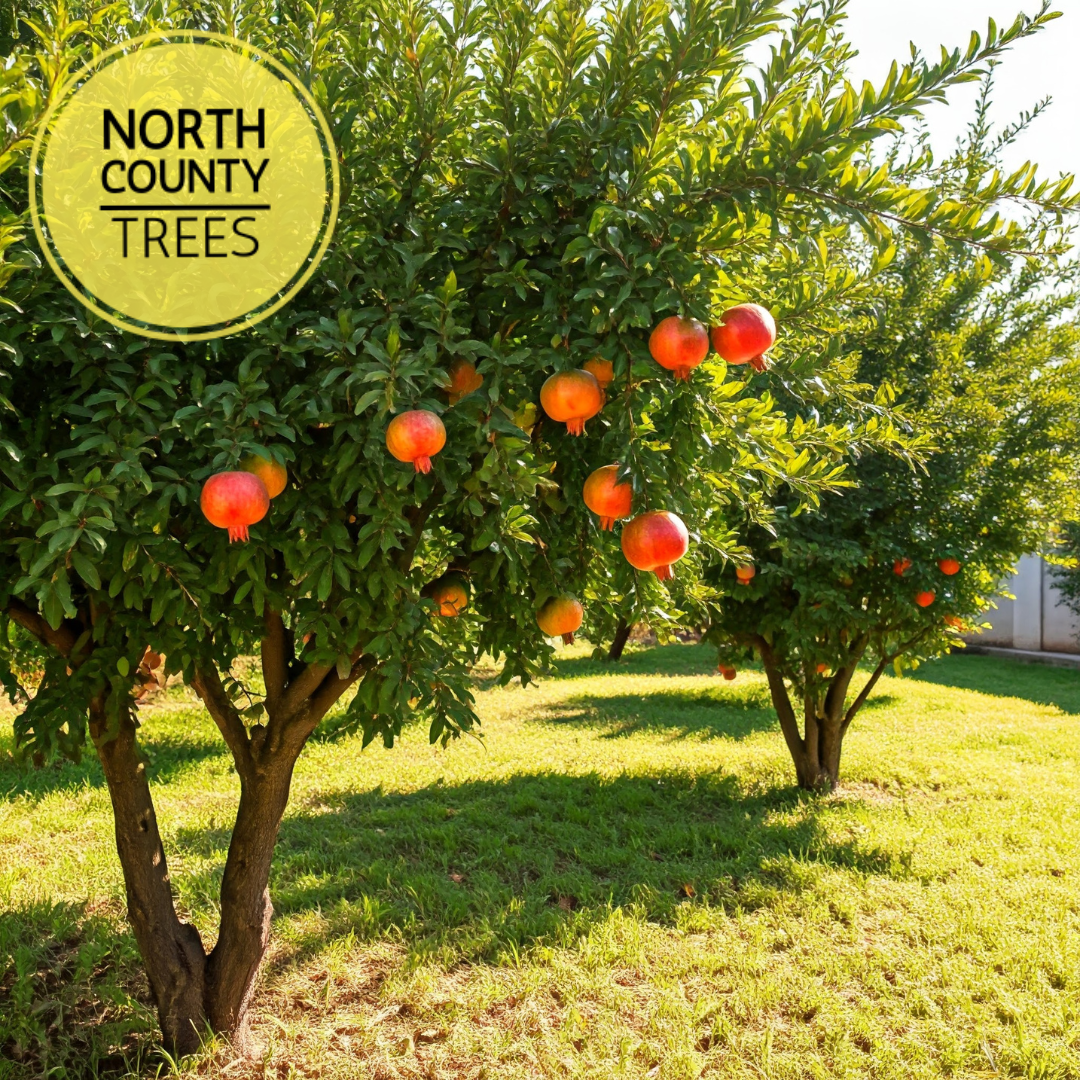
(948, 566)
(572, 397)
(954, 622)
(233, 501)
(745, 573)
(450, 593)
(901, 567)
(270, 472)
(729, 673)
(822, 668)
(925, 599)
(746, 332)
(464, 379)
(561, 615)
(415, 436)
(602, 370)
(679, 345)
(606, 498)
(654, 541)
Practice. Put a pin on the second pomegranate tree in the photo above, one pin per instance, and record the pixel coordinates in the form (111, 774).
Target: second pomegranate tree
(579, 336)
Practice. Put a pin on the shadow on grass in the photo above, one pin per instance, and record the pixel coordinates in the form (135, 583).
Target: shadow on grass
(484, 871)
(675, 659)
(1038, 683)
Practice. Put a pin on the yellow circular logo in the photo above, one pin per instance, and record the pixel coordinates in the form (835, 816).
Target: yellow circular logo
(184, 185)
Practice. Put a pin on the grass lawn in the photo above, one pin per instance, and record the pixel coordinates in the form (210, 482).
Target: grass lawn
(620, 881)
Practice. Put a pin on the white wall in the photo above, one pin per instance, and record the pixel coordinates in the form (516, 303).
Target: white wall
(1036, 620)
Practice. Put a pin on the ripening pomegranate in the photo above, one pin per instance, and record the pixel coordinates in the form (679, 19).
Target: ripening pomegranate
(948, 567)
(822, 668)
(415, 436)
(271, 473)
(603, 370)
(233, 501)
(654, 541)
(561, 615)
(450, 593)
(606, 498)
(924, 599)
(729, 673)
(745, 573)
(954, 622)
(901, 566)
(679, 345)
(572, 397)
(464, 379)
(746, 332)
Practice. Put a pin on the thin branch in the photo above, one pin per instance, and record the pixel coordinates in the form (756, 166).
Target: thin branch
(207, 684)
(62, 639)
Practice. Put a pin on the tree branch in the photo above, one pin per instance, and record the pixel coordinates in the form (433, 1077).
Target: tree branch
(789, 725)
(63, 639)
(275, 663)
(207, 684)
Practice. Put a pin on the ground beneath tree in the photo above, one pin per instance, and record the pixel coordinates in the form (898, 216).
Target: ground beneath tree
(620, 881)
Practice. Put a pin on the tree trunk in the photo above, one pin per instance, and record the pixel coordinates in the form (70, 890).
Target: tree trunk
(818, 764)
(618, 643)
(172, 950)
(245, 901)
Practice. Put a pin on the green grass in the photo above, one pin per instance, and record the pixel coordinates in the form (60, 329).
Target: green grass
(619, 882)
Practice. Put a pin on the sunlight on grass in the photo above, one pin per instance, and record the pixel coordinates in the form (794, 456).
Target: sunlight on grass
(619, 880)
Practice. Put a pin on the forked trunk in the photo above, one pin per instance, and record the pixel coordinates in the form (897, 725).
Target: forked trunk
(171, 950)
(245, 903)
(618, 643)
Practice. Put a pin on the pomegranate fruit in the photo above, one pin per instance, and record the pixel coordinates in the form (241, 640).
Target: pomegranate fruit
(602, 370)
(606, 498)
(822, 668)
(746, 332)
(450, 593)
(901, 566)
(925, 598)
(679, 345)
(572, 397)
(271, 473)
(654, 541)
(745, 574)
(948, 567)
(415, 436)
(729, 673)
(464, 379)
(233, 501)
(954, 622)
(561, 615)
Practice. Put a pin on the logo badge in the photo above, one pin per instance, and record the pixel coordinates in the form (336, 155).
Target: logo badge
(184, 185)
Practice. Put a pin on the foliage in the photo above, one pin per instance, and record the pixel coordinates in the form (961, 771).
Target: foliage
(982, 360)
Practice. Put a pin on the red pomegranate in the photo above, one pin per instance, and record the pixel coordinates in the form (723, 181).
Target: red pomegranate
(746, 332)
(272, 474)
(948, 567)
(603, 370)
(729, 673)
(561, 615)
(464, 379)
(450, 593)
(822, 668)
(415, 436)
(745, 574)
(901, 566)
(954, 622)
(609, 500)
(572, 397)
(679, 345)
(654, 541)
(233, 501)
(924, 599)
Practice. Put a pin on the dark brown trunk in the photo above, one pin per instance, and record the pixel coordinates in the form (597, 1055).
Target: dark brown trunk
(171, 950)
(245, 901)
(618, 643)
